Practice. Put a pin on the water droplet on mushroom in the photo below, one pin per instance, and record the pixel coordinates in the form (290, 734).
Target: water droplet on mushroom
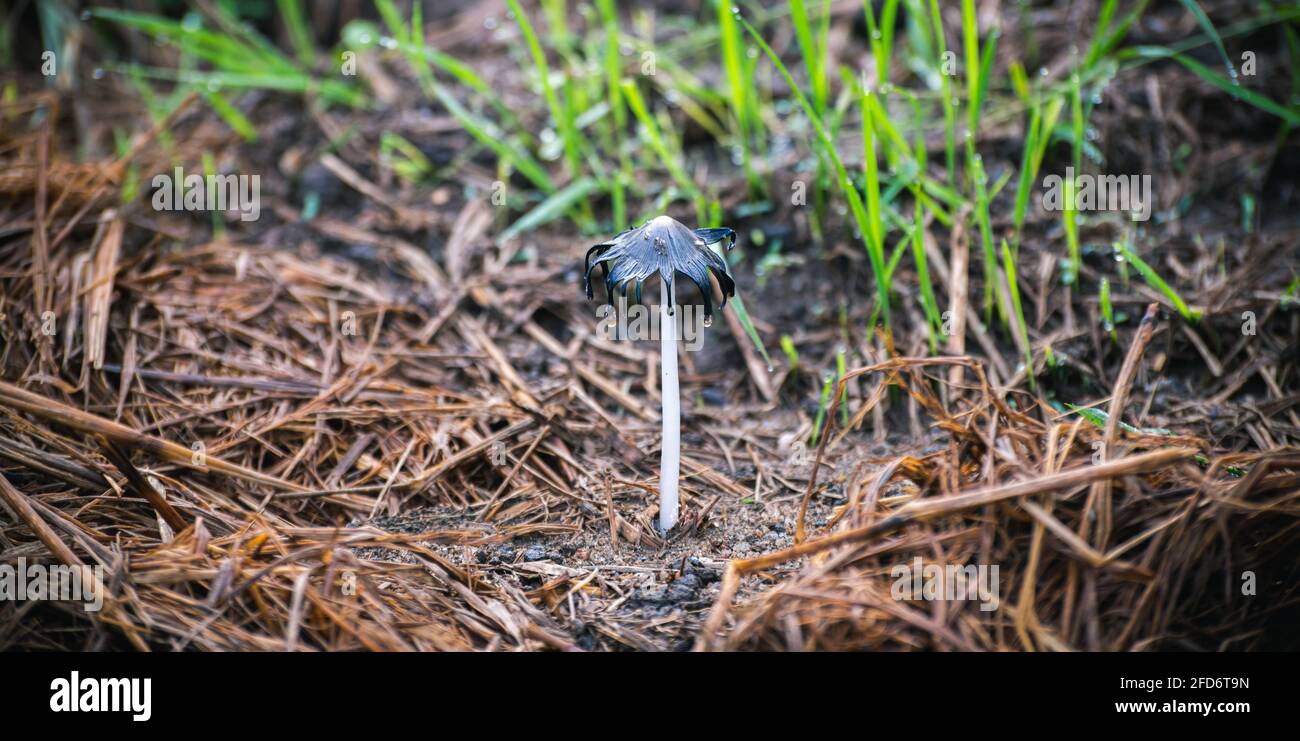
(661, 247)
(490, 23)
(1042, 72)
(388, 42)
(98, 74)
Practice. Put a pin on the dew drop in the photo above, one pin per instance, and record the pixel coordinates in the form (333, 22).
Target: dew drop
(98, 74)
(388, 42)
(490, 23)
(85, 15)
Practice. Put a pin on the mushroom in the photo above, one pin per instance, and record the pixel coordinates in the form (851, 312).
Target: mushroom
(665, 246)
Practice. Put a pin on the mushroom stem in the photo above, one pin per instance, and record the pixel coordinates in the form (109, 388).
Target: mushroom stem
(671, 449)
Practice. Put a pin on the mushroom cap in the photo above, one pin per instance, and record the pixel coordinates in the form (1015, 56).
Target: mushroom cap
(664, 246)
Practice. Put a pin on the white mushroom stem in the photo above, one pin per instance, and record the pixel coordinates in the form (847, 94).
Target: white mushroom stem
(670, 462)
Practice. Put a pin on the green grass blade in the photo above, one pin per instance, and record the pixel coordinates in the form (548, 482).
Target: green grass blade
(1107, 311)
(738, 305)
(299, 34)
(844, 397)
(491, 137)
(1021, 328)
(971, 45)
(846, 184)
(551, 208)
(821, 410)
(1195, 9)
(1154, 280)
(945, 94)
(1289, 114)
(231, 115)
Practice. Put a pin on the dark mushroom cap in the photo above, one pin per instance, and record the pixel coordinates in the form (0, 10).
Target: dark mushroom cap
(665, 246)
